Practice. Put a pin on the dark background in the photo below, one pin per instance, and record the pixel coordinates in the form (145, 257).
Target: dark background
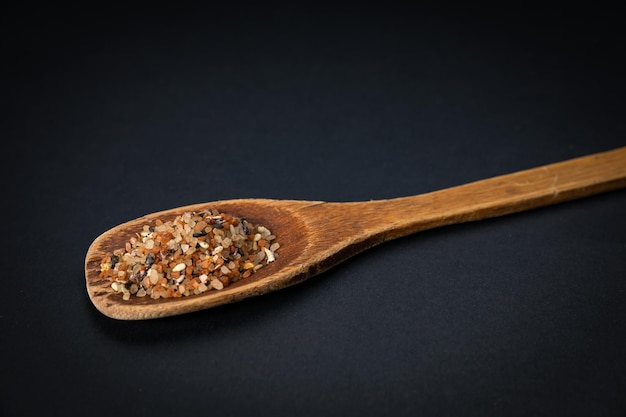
(112, 113)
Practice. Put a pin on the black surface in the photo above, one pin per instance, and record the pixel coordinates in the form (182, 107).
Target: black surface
(114, 113)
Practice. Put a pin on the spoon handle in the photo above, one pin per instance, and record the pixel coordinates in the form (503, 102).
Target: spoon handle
(497, 196)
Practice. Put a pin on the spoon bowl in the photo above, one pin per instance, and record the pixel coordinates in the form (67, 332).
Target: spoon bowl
(258, 211)
(315, 236)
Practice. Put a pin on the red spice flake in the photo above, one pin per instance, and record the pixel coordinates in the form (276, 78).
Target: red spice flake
(194, 253)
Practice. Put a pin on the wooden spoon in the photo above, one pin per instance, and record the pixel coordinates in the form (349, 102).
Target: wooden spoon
(316, 235)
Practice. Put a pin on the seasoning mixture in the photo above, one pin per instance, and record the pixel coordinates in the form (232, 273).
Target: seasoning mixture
(194, 253)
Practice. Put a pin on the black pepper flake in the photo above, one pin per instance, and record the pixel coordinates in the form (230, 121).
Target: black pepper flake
(150, 259)
(200, 234)
(136, 278)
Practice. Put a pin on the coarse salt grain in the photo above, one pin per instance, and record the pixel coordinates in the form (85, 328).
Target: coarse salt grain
(269, 254)
(154, 276)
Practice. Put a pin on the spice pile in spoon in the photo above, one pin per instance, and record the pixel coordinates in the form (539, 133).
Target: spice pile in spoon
(194, 253)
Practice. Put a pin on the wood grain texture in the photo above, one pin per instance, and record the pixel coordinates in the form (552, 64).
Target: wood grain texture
(316, 236)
